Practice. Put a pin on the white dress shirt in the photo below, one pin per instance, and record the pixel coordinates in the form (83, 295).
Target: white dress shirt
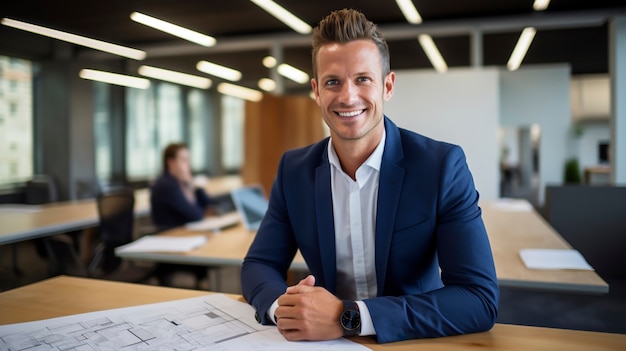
(354, 212)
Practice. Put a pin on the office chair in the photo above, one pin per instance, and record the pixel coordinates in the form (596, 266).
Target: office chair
(116, 223)
(60, 249)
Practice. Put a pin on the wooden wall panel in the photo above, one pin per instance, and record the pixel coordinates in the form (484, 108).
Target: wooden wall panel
(273, 126)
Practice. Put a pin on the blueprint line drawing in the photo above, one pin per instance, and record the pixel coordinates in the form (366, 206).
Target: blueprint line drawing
(211, 322)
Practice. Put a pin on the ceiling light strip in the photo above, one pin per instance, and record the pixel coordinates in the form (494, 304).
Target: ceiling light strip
(219, 71)
(114, 78)
(541, 5)
(267, 84)
(175, 77)
(76, 39)
(409, 11)
(284, 16)
(427, 43)
(173, 29)
(240, 92)
(519, 52)
(293, 73)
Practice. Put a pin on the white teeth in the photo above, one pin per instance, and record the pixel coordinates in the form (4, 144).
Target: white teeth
(350, 114)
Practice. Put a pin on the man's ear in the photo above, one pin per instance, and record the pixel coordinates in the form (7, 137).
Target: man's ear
(316, 92)
(389, 83)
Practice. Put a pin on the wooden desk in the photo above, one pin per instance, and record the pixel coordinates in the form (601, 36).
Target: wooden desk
(63, 296)
(59, 217)
(510, 230)
(225, 248)
(46, 220)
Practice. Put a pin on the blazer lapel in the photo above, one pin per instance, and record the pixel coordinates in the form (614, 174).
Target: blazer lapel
(389, 189)
(325, 223)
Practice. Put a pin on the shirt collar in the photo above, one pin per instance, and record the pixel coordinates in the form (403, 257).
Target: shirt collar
(374, 160)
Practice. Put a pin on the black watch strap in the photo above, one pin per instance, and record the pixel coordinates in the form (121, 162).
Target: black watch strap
(350, 318)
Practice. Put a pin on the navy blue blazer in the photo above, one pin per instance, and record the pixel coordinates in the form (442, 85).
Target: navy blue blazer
(168, 206)
(427, 218)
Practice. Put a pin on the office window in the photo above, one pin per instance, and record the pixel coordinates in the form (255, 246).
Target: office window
(154, 118)
(16, 120)
(102, 131)
(233, 111)
(198, 107)
(169, 114)
(141, 134)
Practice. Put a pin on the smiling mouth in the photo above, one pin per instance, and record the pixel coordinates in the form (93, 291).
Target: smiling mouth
(350, 113)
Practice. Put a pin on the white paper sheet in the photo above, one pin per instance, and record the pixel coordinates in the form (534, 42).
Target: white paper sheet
(513, 205)
(213, 322)
(19, 208)
(215, 222)
(554, 259)
(155, 243)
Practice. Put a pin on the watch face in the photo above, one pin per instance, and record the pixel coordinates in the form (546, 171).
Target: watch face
(350, 320)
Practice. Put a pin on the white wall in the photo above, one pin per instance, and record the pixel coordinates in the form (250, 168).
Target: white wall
(540, 95)
(593, 134)
(459, 107)
(467, 106)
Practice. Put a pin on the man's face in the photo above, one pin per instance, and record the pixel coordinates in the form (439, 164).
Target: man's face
(179, 167)
(350, 89)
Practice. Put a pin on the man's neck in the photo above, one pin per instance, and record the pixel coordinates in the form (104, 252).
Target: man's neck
(352, 153)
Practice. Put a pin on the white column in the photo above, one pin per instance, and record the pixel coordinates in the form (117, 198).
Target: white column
(476, 48)
(617, 72)
(277, 52)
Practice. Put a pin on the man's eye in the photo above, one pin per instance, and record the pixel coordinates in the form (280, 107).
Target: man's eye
(363, 79)
(332, 82)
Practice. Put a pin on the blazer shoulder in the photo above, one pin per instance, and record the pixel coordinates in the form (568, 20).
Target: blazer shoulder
(311, 155)
(413, 143)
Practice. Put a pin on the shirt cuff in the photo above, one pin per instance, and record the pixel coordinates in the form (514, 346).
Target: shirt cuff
(367, 326)
(272, 310)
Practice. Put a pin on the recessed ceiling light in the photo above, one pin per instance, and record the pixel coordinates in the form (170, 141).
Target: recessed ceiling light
(427, 43)
(523, 43)
(173, 29)
(293, 73)
(284, 16)
(267, 84)
(76, 39)
(409, 11)
(114, 78)
(540, 5)
(219, 71)
(240, 92)
(175, 77)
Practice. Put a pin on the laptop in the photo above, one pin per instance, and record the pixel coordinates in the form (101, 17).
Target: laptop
(251, 204)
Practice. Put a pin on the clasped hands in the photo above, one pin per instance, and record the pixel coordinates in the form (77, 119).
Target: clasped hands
(308, 312)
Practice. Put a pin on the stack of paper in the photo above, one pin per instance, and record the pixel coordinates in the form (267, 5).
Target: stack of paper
(513, 205)
(215, 222)
(153, 243)
(554, 259)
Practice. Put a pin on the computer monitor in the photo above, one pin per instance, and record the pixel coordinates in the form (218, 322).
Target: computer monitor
(251, 204)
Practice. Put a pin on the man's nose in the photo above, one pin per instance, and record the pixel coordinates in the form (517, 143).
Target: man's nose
(348, 93)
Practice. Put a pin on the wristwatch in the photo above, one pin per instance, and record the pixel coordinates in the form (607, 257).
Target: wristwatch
(350, 318)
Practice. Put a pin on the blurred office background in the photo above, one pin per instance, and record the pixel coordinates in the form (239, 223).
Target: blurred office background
(552, 130)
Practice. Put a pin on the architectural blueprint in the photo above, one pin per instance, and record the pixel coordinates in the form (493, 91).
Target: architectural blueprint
(212, 322)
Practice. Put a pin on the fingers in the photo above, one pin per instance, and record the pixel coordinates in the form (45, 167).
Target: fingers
(308, 281)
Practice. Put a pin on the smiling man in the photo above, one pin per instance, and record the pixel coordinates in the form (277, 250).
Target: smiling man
(386, 219)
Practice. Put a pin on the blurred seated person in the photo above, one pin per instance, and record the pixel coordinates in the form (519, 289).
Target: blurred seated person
(174, 200)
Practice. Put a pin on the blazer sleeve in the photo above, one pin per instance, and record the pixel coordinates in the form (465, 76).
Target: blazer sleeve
(468, 300)
(264, 269)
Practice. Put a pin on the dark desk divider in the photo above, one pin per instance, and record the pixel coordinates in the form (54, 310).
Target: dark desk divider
(593, 220)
